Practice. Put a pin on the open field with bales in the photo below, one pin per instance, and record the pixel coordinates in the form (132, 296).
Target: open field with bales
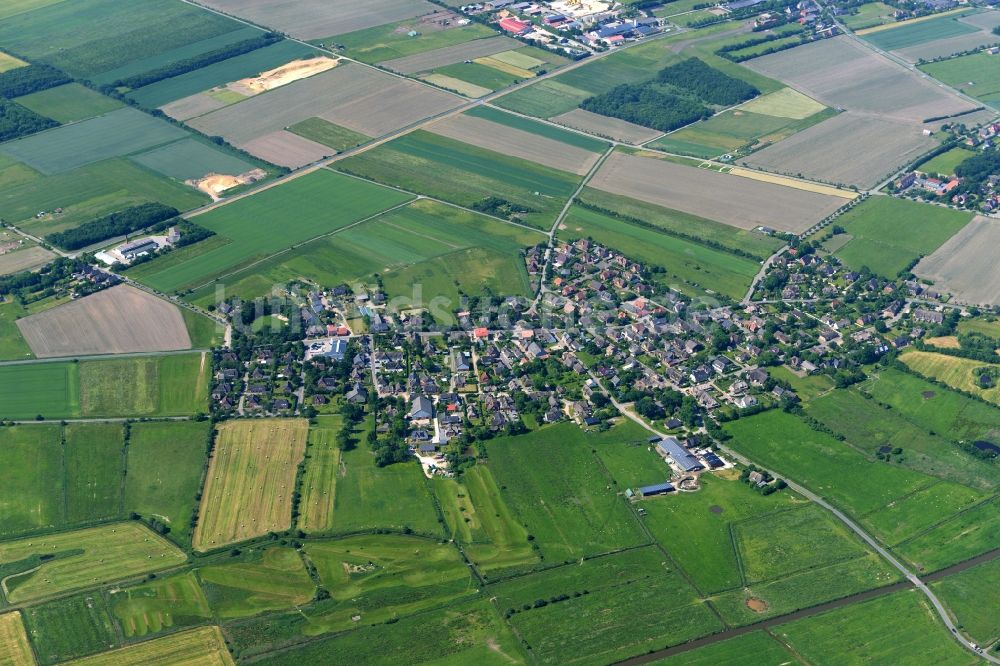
(14, 647)
(964, 266)
(204, 646)
(750, 203)
(119, 320)
(82, 558)
(248, 490)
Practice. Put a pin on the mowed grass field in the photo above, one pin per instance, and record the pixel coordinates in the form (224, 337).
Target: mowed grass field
(83, 558)
(303, 208)
(204, 646)
(954, 371)
(14, 646)
(149, 608)
(270, 580)
(733, 652)
(71, 627)
(945, 163)
(171, 385)
(251, 477)
(970, 597)
(95, 471)
(463, 174)
(888, 234)
(32, 475)
(975, 75)
(319, 483)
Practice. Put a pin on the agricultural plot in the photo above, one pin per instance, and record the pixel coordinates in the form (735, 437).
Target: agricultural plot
(14, 647)
(392, 41)
(189, 159)
(119, 320)
(733, 652)
(95, 467)
(270, 580)
(316, 204)
(960, 538)
(71, 627)
(543, 130)
(319, 483)
(83, 558)
(611, 128)
(69, 103)
(31, 460)
(969, 597)
(50, 389)
(954, 371)
(939, 36)
(26, 258)
(353, 97)
(165, 466)
(326, 133)
(449, 55)
(204, 646)
(869, 15)
(975, 75)
(152, 607)
(945, 163)
(749, 204)
(569, 510)
(12, 345)
(466, 175)
(964, 265)
(251, 477)
(172, 385)
(887, 234)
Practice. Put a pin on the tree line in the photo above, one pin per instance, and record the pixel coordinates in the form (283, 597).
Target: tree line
(33, 78)
(121, 223)
(17, 121)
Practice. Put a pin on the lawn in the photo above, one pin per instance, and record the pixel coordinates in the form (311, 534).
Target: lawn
(466, 175)
(904, 35)
(858, 634)
(690, 267)
(72, 627)
(568, 509)
(95, 469)
(889, 234)
(203, 331)
(165, 467)
(304, 208)
(31, 478)
(393, 40)
(329, 134)
(971, 597)
(204, 646)
(83, 558)
(273, 579)
(69, 103)
(807, 387)
(165, 603)
(954, 371)
(945, 163)
(975, 75)
(319, 483)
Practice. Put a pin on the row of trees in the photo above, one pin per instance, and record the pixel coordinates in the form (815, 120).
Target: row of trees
(116, 224)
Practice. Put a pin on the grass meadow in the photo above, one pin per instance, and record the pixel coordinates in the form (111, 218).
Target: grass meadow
(204, 646)
(957, 539)
(31, 460)
(71, 627)
(954, 371)
(975, 75)
(912, 34)
(273, 579)
(95, 471)
(392, 40)
(319, 483)
(165, 603)
(970, 595)
(945, 163)
(69, 103)
(733, 652)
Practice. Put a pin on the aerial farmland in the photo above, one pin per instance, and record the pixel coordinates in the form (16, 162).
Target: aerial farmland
(559, 332)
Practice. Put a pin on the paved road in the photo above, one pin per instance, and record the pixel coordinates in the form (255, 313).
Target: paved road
(760, 275)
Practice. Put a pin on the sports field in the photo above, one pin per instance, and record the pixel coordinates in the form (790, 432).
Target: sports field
(69, 103)
(270, 580)
(304, 208)
(83, 558)
(204, 646)
(888, 234)
(319, 483)
(14, 647)
(248, 491)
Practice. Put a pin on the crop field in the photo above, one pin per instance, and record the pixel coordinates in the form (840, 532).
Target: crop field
(95, 467)
(304, 208)
(969, 596)
(538, 129)
(518, 143)
(954, 371)
(428, 60)
(71, 627)
(480, 75)
(319, 483)
(733, 652)
(286, 149)
(975, 75)
(27, 258)
(569, 510)
(691, 267)
(32, 464)
(351, 96)
(455, 171)
(83, 558)
(887, 234)
(246, 492)
(149, 608)
(707, 552)
(960, 538)
(204, 646)
(970, 32)
(749, 204)
(850, 149)
(165, 467)
(119, 320)
(545, 99)
(87, 193)
(191, 159)
(51, 389)
(392, 41)
(611, 128)
(172, 385)
(857, 634)
(906, 34)
(69, 103)
(964, 265)
(272, 580)
(14, 645)
(842, 74)
(326, 133)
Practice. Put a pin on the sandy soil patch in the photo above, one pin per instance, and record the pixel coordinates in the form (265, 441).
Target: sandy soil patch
(515, 142)
(449, 55)
(844, 74)
(757, 605)
(282, 76)
(740, 202)
(966, 265)
(214, 184)
(849, 149)
(118, 320)
(24, 260)
(610, 128)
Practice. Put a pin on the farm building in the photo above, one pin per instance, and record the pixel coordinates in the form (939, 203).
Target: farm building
(515, 27)
(714, 461)
(656, 489)
(671, 448)
(137, 248)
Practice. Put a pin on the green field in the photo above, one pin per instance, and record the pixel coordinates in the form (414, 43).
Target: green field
(306, 207)
(423, 251)
(72, 627)
(690, 267)
(568, 509)
(971, 597)
(392, 40)
(12, 345)
(69, 103)
(165, 467)
(956, 372)
(463, 174)
(869, 15)
(900, 628)
(32, 478)
(480, 75)
(52, 389)
(547, 131)
(203, 331)
(733, 652)
(968, 534)
(327, 133)
(904, 35)
(149, 608)
(319, 483)
(888, 234)
(275, 579)
(191, 159)
(988, 326)
(83, 558)
(975, 75)
(95, 469)
(946, 162)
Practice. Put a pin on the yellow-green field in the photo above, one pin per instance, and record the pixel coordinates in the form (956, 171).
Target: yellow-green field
(198, 647)
(250, 481)
(953, 371)
(784, 103)
(9, 62)
(83, 558)
(320, 481)
(14, 648)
